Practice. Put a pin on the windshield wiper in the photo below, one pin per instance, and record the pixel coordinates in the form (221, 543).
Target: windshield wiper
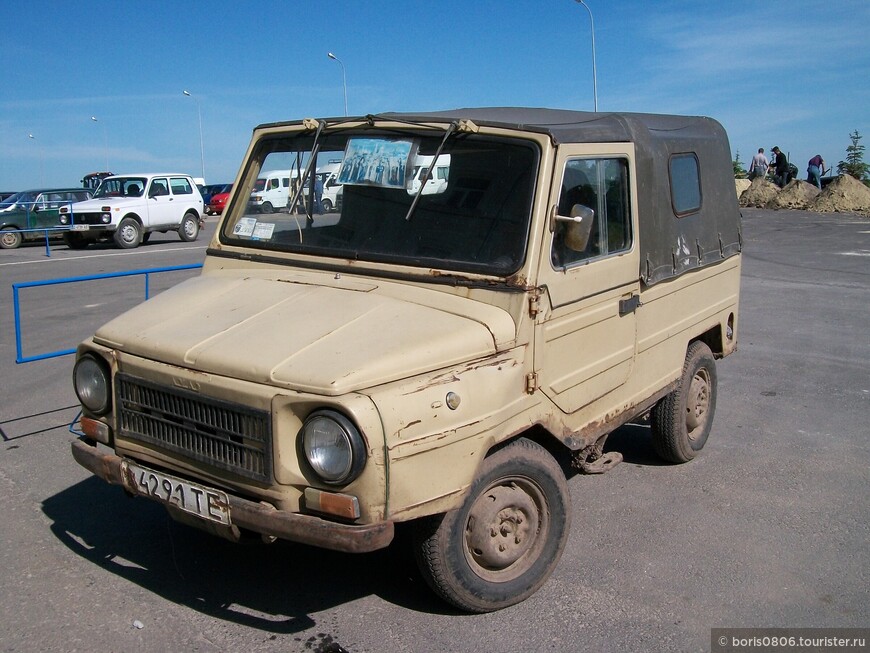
(309, 123)
(450, 129)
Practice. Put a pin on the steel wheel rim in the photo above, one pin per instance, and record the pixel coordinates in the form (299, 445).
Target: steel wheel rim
(506, 528)
(698, 404)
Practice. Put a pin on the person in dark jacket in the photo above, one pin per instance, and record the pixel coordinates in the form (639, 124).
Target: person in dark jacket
(780, 168)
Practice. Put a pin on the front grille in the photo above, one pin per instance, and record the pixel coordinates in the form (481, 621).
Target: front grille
(88, 218)
(224, 435)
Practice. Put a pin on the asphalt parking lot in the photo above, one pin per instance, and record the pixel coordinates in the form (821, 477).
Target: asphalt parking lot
(768, 527)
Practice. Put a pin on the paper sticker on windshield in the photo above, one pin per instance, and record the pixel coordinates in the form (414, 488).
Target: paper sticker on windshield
(263, 231)
(382, 162)
(245, 227)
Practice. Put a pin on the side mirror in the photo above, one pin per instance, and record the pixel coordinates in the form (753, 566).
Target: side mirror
(578, 226)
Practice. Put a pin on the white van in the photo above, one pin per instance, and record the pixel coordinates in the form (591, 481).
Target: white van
(437, 181)
(331, 197)
(272, 190)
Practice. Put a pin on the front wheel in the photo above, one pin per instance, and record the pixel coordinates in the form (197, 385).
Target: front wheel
(267, 207)
(10, 239)
(681, 421)
(128, 234)
(327, 206)
(189, 229)
(503, 543)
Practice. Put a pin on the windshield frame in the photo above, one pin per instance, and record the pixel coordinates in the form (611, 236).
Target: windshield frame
(525, 152)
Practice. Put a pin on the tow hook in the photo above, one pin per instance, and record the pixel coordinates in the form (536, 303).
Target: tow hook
(593, 460)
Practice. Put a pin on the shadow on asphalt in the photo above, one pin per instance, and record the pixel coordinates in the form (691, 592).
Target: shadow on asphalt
(271, 587)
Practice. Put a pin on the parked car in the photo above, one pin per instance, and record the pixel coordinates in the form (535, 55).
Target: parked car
(128, 208)
(426, 360)
(218, 201)
(210, 191)
(35, 209)
(92, 179)
(6, 193)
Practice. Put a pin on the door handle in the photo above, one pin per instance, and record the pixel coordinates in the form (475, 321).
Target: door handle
(629, 305)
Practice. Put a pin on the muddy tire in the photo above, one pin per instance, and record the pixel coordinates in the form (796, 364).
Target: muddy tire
(10, 239)
(681, 421)
(503, 543)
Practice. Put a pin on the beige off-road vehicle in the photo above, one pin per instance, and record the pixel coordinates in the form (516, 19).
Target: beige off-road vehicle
(427, 356)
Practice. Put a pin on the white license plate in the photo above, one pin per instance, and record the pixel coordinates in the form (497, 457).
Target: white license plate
(81, 227)
(207, 503)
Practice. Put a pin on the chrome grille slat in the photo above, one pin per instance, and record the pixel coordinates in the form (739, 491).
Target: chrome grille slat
(228, 436)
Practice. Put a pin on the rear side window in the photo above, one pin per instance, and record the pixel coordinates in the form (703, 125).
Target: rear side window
(180, 186)
(685, 184)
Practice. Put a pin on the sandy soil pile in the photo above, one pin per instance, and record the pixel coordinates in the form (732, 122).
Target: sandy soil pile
(759, 193)
(843, 195)
(796, 195)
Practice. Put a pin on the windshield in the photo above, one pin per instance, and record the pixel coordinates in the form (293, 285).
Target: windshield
(18, 198)
(121, 187)
(472, 216)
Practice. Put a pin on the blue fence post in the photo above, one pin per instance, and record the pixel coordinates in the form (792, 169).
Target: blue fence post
(19, 356)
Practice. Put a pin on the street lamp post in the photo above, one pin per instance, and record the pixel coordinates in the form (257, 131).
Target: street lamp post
(594, 72)
(201, 150)
(105, 140)
(41, 168)
(343, 78)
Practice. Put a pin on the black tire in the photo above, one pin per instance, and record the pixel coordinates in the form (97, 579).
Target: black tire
(10, 239)
(128, 235)
(681, 421)
(327, 206)
(75, 240)
(267, 207)
(189, 229)
(503, 543)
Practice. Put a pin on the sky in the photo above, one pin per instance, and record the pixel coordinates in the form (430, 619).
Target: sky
(792, 73)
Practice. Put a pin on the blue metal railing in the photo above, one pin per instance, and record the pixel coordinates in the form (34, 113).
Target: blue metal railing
(21, 358)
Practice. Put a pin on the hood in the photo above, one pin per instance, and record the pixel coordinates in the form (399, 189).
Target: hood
(324, 339)
(94, 205)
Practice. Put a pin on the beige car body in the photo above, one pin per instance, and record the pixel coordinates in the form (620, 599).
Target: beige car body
(433, 374)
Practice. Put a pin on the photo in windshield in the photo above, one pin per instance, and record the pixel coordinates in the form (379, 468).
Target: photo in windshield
(377, 162)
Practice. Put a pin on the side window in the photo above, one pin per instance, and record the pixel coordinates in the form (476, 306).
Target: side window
(158, 187)
(180, 186)
(685, 184)
(594, 212)
(285, 182)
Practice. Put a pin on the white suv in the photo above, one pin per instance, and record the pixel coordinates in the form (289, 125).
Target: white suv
(127, 208)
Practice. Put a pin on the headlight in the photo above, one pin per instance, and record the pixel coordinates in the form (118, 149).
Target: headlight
(106, 218)
(91, 379)
(64, 218)
(333, 447)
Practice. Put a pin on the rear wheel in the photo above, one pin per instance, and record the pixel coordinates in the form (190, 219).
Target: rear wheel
(189, 229)
(10, 239)
(503, 543)
(681, 421)
(128, 234)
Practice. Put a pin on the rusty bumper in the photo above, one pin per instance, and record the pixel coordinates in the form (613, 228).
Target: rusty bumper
(260, 517)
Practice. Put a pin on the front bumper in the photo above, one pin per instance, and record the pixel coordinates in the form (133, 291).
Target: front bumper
(260, 517)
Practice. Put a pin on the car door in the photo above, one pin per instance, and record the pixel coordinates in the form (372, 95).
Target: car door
(45, 210)
(160, 204)
(585, 340)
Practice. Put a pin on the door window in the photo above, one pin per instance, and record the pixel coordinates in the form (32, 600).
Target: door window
(594, 213)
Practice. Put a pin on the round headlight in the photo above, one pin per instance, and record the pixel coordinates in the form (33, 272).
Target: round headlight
(64, 218)
(91, 379)
(333, 447)
(106, 218)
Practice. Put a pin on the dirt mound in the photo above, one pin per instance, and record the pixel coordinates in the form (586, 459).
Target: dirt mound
(741, 185)
(796, 195)
(843, 195)
(759, 193)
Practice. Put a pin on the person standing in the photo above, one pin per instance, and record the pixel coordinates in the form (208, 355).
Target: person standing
(780, 167)
(759, 166)
(815, 169)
